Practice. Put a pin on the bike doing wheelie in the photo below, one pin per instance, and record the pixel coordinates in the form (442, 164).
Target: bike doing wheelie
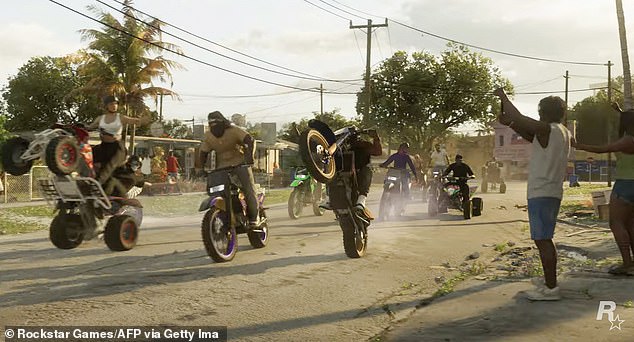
(330, 158)
(226, 214)
(306, 191)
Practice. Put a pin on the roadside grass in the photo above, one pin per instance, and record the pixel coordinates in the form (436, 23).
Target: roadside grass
(16, 219)
(585, 189)
(570, 206)
(449, 285)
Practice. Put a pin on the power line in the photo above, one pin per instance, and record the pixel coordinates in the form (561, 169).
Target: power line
(323, 9)
(479, 47)
(319, 79)
(358, 47)
(342, 10)
(188, 57)
(354, 9)
(218, 44)
(241, 96)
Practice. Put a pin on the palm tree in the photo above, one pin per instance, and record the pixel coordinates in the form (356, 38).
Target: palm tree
(123, 59)
(627, 76)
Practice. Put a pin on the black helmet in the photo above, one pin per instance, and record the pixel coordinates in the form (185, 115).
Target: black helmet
(109, 99)
(403, 145)
(216, 117)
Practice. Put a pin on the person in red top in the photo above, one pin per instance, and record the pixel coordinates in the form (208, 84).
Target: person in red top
(172, 167)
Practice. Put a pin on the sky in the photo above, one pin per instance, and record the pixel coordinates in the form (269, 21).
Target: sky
(312, 39)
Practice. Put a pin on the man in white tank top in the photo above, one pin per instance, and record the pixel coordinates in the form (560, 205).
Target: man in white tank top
(547, 170)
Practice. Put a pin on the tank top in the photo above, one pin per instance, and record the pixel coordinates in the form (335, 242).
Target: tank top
(115, 127)
(548, 166)
(624, 166)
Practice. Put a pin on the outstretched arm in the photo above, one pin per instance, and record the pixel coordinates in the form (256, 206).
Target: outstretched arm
(525, 126)
(94, 124)
(625, 145)
(411, 166)
(144, 120)
(388, 161)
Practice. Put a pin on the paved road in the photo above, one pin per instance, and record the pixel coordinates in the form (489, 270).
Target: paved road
(300, 287)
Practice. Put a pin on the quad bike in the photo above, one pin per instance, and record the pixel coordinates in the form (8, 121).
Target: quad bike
(82, 207)
(61, 147)
(306, 192)
(226, 215)
(329, 159)
(444, 193)
(492, 177)
(392, 201)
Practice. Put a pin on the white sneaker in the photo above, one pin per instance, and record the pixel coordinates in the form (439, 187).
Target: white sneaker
(538, 282)
(361, 201)
(544, 294)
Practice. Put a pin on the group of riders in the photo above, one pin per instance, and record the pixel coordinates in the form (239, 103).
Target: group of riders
(234, 146)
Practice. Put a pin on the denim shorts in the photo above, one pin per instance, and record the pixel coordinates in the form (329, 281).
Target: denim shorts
(623, 189)
(542, 217)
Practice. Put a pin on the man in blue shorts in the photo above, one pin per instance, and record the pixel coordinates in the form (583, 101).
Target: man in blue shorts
(547, 169)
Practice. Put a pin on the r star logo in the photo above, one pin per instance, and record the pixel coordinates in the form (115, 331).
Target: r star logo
(615, 325)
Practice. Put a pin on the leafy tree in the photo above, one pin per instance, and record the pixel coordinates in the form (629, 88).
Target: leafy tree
(333, 119)
(122, 59)
(177, 129)
(594, 114)
(420, 98)
(42, 93)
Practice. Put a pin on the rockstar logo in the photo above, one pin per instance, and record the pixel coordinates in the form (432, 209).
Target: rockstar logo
(615, 325)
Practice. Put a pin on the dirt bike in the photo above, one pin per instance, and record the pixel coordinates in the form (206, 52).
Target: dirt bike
(392, 200)
(444, 194)
(329, 159)
(60, 147)
(306, 192)
(82, 207)
(226, 215)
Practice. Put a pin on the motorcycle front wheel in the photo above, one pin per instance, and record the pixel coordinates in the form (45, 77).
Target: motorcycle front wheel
(219, 238)
(313, 150)
(295, 204)
(355, 240)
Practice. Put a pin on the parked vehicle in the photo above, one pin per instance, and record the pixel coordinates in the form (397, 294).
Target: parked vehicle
(492, 177)
(226, 215)
(392, 200)
(444, 194)
(306, 192)
(329, 159)
(60, 147)
(84, 211)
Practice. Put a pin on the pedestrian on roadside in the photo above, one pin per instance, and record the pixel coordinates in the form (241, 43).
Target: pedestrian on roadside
(146, 166)
(547, 170)
(622, 198)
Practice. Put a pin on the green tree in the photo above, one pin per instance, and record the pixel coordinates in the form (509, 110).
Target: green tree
(177, 129)
(333, 119)
(420, 98)
(123, 58)
(42, 93)
(593, 115)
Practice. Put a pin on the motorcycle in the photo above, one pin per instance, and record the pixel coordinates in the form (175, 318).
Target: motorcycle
(392, 200)
(330, 160)
(84, 211)
(61, 148)
(306, 191)
(491, 177)
(226, 215)
(444, 194)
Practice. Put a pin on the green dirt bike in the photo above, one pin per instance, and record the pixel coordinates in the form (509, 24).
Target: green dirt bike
(306, 192)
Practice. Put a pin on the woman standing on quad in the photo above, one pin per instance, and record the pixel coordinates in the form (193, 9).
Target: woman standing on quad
(111, 153)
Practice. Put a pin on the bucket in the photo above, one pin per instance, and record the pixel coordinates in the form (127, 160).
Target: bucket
(604, 212)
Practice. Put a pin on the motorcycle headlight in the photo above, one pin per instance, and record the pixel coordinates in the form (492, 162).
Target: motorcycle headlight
(392, 178)
(217, 188)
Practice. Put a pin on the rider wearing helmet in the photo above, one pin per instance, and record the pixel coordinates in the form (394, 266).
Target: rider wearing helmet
(401, 160)
(461, 171)
(110, 153)
(234, 147)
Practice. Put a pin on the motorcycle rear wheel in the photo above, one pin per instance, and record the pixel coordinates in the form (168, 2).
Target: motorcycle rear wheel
(259, 239)
(66, 231)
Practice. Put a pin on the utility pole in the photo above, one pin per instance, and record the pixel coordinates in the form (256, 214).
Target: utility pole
(566, 100)
(368, 28)
(607, 124)
(321, 92)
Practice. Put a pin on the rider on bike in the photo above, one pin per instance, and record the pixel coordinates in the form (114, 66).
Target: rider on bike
(401, 159)
(234, 147)
(462, 172)
(363, 150)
